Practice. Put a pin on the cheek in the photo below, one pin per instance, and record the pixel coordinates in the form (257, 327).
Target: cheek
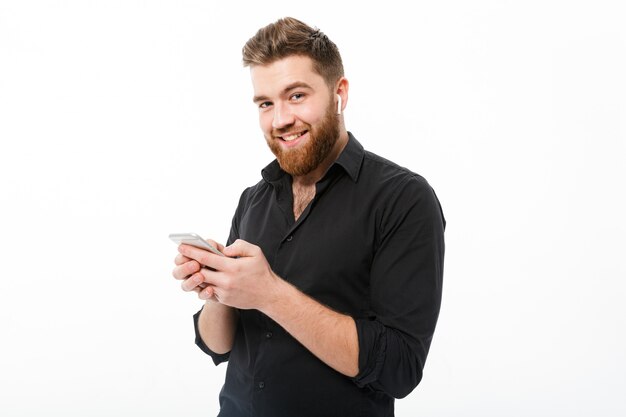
(311, 115)
(265, 121)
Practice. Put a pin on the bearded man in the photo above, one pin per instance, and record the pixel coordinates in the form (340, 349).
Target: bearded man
(328, 297)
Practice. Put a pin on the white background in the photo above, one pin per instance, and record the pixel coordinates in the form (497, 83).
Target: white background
(123, 121)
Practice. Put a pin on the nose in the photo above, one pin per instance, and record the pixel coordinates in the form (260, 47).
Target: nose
(283, 116)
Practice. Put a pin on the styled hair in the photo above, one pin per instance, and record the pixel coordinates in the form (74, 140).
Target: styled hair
(287, 37)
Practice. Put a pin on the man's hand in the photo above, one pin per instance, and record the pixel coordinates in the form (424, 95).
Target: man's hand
(243, 279)
(188, 271)
(217, 322)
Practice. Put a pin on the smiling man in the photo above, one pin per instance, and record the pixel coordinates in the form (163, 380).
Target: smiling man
(327, 299)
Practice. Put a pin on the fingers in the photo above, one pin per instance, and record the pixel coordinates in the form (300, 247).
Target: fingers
(180, 259)
(214, 278)
(219, 246)
(204, 257)
(241, 248)
(183, 271)
(196, 283)
(207, 293)
(192, 283)
(188, 270)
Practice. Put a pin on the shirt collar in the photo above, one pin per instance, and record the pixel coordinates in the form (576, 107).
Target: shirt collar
(351, 157)
(350, 160)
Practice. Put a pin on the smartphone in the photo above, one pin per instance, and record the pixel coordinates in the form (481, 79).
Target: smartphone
(194, 240)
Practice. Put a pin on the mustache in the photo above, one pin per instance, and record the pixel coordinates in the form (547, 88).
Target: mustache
(291, 129)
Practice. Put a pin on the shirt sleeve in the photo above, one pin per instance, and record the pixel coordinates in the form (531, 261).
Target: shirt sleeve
(217, 357)
(406, 285)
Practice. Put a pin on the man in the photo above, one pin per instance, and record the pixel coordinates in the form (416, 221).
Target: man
(327, 299)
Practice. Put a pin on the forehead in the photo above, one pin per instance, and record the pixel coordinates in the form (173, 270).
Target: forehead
(271, 80)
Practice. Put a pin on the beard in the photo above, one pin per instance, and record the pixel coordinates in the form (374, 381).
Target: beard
(304, 159)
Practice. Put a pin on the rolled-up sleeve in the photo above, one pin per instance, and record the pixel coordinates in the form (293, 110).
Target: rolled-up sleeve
(217, 357)
(405, 287)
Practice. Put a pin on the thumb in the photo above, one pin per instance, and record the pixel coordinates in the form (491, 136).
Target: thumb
(241, 248)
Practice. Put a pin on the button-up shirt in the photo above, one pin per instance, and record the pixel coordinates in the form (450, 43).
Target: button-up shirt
(369, 245)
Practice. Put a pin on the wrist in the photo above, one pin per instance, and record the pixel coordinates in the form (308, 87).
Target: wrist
(213, 305)
(275, 296)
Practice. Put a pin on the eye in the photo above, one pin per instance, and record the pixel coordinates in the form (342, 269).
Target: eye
(265, 104)
(297, 97)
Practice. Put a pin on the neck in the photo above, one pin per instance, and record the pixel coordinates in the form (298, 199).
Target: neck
(314, 176)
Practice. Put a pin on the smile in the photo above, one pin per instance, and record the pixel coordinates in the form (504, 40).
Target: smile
(294, 136)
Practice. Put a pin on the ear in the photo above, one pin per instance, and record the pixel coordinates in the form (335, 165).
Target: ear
(341, 93)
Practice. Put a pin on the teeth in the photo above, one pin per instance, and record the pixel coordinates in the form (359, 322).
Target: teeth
(292, 137)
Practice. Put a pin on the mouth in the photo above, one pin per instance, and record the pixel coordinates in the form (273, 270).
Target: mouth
(292, 136)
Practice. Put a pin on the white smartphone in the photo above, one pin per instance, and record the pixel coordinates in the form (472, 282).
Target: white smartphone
(194, 240)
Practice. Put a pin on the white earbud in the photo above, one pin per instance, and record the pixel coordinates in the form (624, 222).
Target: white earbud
(338, 104)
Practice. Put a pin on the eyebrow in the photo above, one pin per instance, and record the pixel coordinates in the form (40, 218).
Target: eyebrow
(292, 86)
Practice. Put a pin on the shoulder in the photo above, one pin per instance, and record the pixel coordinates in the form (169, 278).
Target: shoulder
(389, 175)
(399, 190)
(253, 192)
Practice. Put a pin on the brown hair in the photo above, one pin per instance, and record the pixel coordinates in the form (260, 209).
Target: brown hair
(289, 36)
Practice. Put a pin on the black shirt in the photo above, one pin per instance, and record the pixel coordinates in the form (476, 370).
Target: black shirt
(370, 245)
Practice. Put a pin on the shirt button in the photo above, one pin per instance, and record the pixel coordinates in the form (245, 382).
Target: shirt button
(290, 238)
(261, 384)
(268, 335)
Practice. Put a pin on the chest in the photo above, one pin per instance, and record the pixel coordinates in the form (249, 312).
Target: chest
(302, 196)
(327, 253)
